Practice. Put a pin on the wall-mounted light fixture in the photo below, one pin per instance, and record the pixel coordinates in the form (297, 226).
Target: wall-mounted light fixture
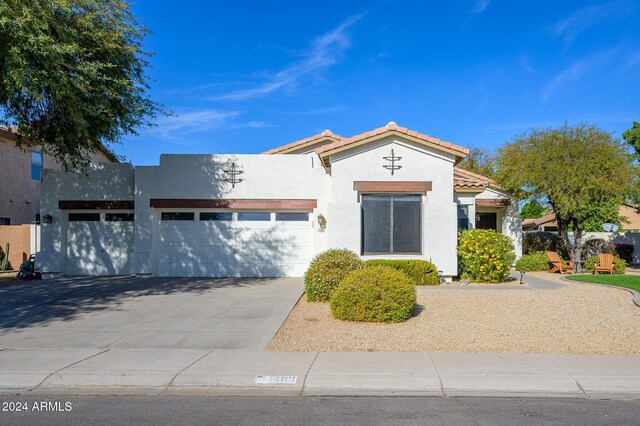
(322, 222)
(47, 218)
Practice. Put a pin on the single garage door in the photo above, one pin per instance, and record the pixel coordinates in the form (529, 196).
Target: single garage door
(233, 244)
(99, 243)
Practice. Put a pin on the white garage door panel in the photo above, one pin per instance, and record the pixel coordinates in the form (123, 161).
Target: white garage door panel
(233, 249)
(98, 248)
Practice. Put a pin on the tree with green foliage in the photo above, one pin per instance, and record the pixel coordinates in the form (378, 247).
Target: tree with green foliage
(532, 210)
(594, 214)
(570, 167)
(632, 136)
(72, 75)
(480, 160)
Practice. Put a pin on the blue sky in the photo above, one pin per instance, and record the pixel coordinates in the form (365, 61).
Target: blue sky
(244, 77)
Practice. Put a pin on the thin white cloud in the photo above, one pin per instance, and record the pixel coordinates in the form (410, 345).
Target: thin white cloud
(254, 125)
(322, 111)
(576, 70)
(323, 52)
(484, 100)
(525, 64)
(633, 60)
(570, 27)
(480, 6)
(192, 122)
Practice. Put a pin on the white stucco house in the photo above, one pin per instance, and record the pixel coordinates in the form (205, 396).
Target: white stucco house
(387, 193)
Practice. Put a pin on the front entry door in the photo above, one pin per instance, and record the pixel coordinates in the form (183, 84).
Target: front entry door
(487, 221)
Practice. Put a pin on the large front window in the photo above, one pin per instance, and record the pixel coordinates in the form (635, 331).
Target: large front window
(391, 224)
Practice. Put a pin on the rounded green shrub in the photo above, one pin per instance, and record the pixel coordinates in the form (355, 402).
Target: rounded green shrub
(375, 294)
(327, 270)
(485, 255)
(533, 262)
(421, 272)
(619, 264)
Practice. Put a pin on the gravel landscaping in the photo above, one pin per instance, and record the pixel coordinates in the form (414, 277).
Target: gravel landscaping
(578, 319)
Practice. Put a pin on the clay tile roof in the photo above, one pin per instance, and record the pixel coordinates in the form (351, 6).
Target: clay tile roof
(327, 134)
(391, 127)
(464, 183)
(461, 173)
(539, 221)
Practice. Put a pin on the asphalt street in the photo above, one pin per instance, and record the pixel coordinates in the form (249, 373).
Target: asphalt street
(183, 410)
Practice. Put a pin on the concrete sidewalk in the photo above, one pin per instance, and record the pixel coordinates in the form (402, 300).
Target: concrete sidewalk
(135, 371)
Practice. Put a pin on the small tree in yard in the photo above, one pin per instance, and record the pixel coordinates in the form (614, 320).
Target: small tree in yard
(72, 75)
(571, 167)
(480, 160)
(532, 210)
(632, 136)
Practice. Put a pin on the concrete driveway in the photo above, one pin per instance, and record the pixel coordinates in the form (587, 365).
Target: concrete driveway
(145, 313)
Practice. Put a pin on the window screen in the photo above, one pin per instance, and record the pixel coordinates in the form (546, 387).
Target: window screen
(216, 216)
(391, 224)
(406, 223)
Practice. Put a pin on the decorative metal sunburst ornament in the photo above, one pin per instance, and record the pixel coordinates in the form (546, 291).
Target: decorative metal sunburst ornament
(393, 166)
(232, 175)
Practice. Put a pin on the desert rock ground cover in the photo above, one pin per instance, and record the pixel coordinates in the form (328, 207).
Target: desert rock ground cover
(577, 318)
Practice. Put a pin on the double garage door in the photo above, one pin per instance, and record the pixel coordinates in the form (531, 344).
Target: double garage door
(233, 244)
(193, 244)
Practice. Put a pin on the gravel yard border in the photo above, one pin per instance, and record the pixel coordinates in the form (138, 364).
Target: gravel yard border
(567, 318)
(636, 295)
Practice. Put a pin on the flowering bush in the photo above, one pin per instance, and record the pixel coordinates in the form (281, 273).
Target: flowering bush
(485, 256)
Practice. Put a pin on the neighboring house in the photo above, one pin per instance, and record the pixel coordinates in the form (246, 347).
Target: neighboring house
(387, 193)
(548, 223)
(20, 175)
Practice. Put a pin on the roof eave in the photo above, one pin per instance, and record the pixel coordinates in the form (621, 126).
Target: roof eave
(325, 152)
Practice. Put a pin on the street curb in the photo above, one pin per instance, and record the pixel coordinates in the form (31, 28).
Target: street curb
(635, 294)
(274, 392)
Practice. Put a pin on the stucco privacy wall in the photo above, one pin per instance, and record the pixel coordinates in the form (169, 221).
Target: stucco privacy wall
(102, 182)
(365, 163)
(203, 177)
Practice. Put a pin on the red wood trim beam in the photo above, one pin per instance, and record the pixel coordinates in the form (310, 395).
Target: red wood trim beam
(249, 204)
(372, 186)
(499, 202)
(96, 204)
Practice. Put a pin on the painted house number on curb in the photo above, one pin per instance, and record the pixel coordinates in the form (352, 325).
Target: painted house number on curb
(281, 380)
